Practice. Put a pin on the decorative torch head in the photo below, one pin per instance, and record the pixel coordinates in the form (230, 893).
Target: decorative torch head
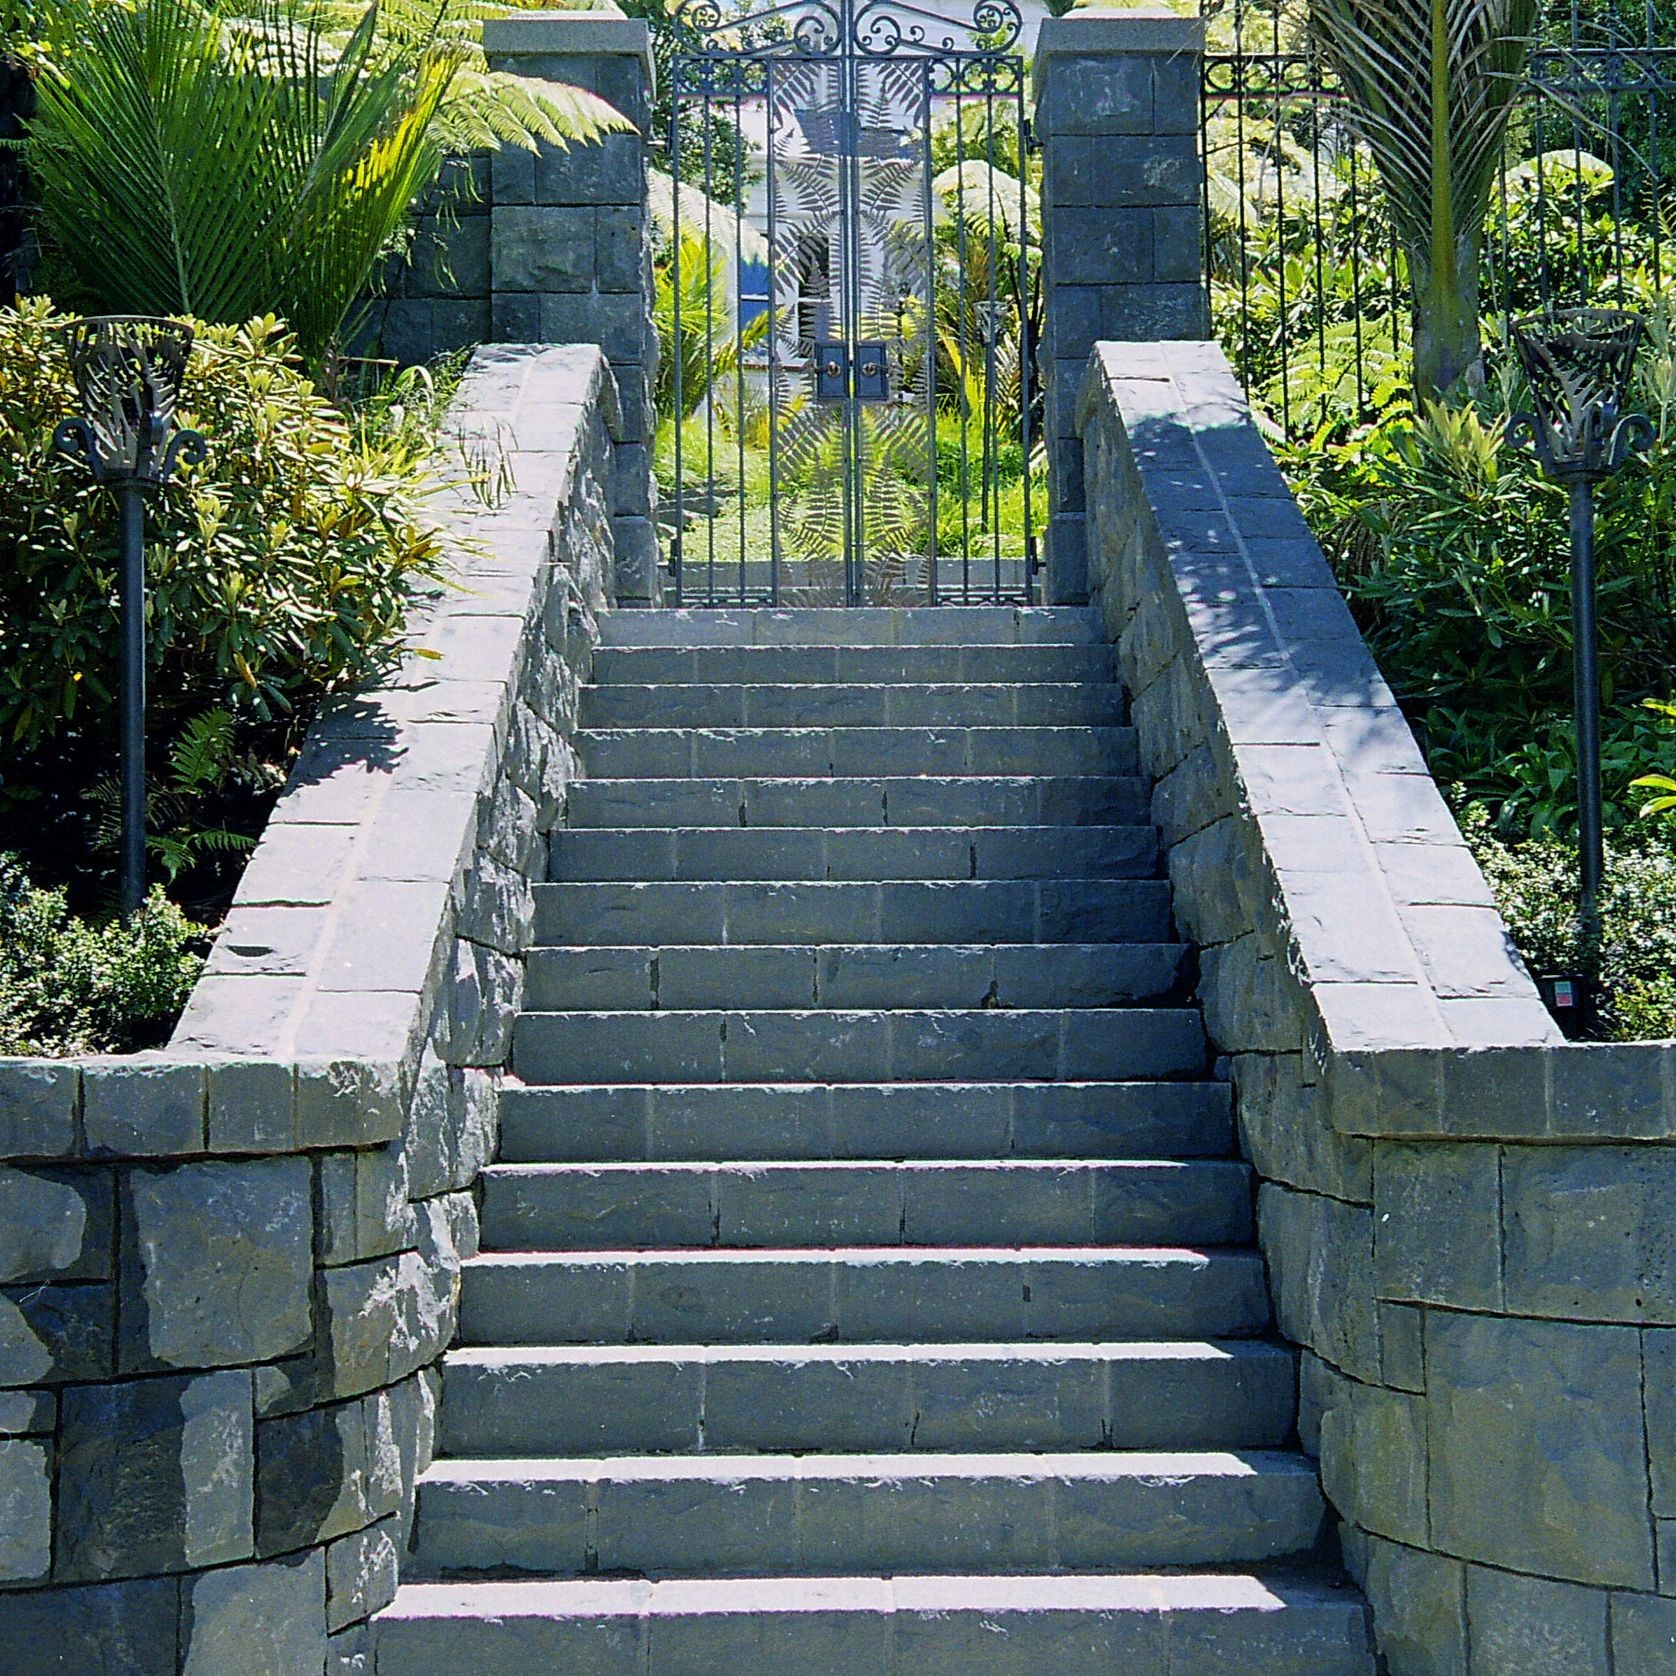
(1578, 363)
(128, 370)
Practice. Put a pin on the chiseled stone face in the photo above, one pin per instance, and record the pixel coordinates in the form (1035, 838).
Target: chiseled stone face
(25, 1511)
(224, 1257)
(269, 1618)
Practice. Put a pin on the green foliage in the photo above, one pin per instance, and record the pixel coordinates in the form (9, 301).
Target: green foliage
(318, 153)
(281, 569)
(69, 985)
(693, 312)
(1535, 885)
(1664, 785)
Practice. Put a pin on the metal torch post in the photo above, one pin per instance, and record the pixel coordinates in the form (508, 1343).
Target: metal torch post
(1586, 691)
(132, 596)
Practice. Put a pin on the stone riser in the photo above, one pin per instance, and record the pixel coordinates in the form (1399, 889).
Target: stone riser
(863, 1297)
(569, 1207)
(860, 975)
(896, 704)
(692, 1400)
(829, 1045)
(902, 1626)
(866, 1120)
(995, 800)
(813, 854)
(946, 625)
(855, 752)
(836, 1515)
(780, 913)
(759, 666)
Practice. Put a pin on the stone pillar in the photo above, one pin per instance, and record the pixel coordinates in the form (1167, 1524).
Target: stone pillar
(1117, 118)
(570, 246)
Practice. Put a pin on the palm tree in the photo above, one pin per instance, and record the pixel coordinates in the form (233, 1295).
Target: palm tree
(1431, 86)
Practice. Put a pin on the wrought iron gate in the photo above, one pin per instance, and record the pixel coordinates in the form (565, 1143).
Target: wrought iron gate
(845, 302)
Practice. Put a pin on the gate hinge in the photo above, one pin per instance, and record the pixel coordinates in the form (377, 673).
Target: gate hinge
(1027, 130)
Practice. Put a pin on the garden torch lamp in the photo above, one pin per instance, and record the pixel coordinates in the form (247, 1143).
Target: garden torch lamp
(128, 371)
(1578, 364)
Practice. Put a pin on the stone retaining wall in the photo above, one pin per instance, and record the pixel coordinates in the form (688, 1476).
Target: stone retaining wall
(1468, 1222)
(228, 1268)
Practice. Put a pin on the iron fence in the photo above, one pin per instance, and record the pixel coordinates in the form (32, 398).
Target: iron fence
(1308, 287)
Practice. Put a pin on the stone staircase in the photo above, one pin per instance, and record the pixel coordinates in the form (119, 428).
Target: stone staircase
(867, 1283)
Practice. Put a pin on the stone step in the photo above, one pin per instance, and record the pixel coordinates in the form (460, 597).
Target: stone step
(696, 1122)
(863, 665)
(758, 1399)
(897, 704)
(1173, 1624)
(1120, 1044)
(861, 852)
(657, 753)
(589, 1207)
(827, 913)
(853, 975)
(832, 1515)
(926, 800)
(937, 625)
(889, 1295)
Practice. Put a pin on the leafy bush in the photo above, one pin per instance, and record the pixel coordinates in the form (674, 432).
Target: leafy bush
(70, 986)
(281, 569)
(1535, 884)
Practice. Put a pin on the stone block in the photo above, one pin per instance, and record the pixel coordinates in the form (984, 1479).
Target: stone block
(1643, 1634)
(1288, 1134)
(540, 249)
(619, 247)
(1373, 1458)
(1100, 247)
(515, 316)
(1659, 1351)
(349, 1102)
(1588, 1231)
(106, 1628)
(1437, 1228)
(361, 1573)
(39, 1103)
(1538, 1447)
(220, 1264)
(1178, 243)
(613, 171)
(1419, 1608)
(385, 1318)
(154, 1475)
(267, 1618)
(364, 1210)
(252, 1106)
(138, 1108)
(25, 1511)
(617, 323)
(1320, 1255)
(56, 1224)
(52, 1334)
(28, 1413)
(325, 1473)
(1534, 1626)
(1109, 93)
(1402, 1346)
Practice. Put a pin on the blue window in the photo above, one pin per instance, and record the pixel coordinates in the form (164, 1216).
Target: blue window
(753, 291)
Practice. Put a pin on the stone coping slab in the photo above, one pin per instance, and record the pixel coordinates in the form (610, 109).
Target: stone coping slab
(544, 34)
(307, 1027)
(1422, 1020)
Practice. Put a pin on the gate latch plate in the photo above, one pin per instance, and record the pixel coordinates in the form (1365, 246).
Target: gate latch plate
(841, 371)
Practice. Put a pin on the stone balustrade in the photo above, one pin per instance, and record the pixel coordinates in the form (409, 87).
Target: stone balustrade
(227, 1268)
(1467, 1220)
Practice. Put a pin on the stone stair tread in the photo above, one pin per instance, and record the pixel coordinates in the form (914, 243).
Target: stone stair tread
(979, 1350)
(699, 801)
(992, 1624)
(814, 1121)
(798, 854)
(853, 704)
(850, 911)
(851, 626)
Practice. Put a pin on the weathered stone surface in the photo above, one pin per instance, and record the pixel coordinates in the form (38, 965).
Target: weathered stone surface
(1538, 1448)
(1534, 1626)
(364, 1210)
(128, 1627)
(56, 1224)
(50, 1334)
(1437, 1231)
(1643, 1632)
(1373, 1459)
(223, 1256)
(1419, 1608)
(253, 1103)
(25, 1511)
(268, 1618)
(1320, 1255)
(141, 1107)
(385, 1318)
(155, 1475)
(39, 1100)
(361, 1573)
(1589, 1232)
(326, 1472)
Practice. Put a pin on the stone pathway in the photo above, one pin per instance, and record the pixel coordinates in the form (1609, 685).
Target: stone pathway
(867, 1283)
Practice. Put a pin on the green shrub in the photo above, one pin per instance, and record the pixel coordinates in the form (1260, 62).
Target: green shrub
(1535, 884)
(281, 569)
(68, 985)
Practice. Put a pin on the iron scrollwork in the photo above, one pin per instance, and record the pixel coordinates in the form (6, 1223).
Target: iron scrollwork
(872, 29)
